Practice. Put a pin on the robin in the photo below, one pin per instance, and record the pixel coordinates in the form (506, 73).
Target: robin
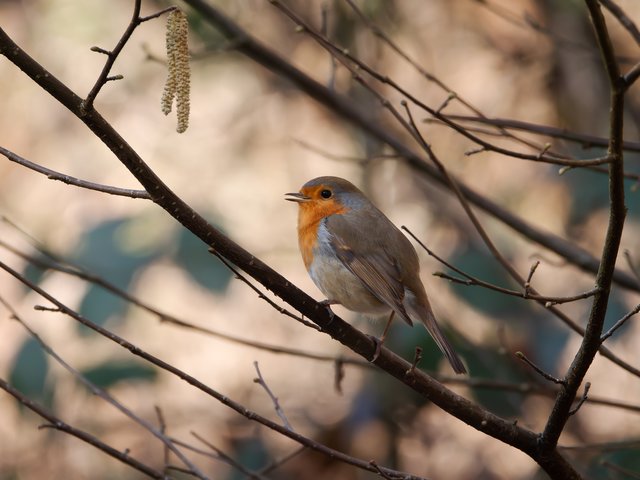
(360, 260)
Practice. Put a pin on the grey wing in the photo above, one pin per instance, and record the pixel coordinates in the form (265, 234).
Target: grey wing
(374, 266)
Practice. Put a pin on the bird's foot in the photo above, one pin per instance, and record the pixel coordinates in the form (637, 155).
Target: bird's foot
(378, 343)
(327, 304)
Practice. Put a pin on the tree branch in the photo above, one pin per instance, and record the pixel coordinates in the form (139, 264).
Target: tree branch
(58, 424)
(69, 180)
(617, 212)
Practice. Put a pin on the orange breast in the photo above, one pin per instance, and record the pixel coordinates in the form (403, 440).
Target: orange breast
(309, 217)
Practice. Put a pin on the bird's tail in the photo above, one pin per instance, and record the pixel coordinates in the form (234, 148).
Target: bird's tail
(426, 316)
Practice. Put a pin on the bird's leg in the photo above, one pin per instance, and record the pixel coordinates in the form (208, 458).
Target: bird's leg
(327, 304)
(380, 341)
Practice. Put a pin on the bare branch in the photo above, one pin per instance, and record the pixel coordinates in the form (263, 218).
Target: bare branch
(229, 460)
(619, 324)
(617, 212)
(585, 394)
(103, 394)
(276, 404)
(623, 18)
(112, 55)
(57, 424)
(69, 180)
(538, 370)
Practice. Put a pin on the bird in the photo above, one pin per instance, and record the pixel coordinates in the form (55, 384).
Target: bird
(359, 259)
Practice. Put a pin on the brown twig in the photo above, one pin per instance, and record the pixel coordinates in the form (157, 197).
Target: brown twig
(585, 394)
(229, 460)
(112, 55)
(538, 370)
(103, 394)
(57, 424)
(347, 59)
(474, 281)
(617, 212)
(69, 180)
(276, 404)
(619, 324)
(584, 139)
(623, 18)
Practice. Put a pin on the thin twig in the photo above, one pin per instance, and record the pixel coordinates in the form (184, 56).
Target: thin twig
(112, 55)
(229, 460)
(63, 266)
(281, 461)
(623, 18)
(103, 394)
(471, 280)
(163, 430)
(619, 323)
(417, 357)
(538, 370)
(261, 295)
(355, 65)
(585, 394)
(276, 404)
(69, 180)
(624, 471)
(588, 141)
(57, 424)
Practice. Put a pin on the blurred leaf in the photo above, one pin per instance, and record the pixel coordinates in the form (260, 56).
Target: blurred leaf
(488, 361)
(482, 265)
(589, 190)
(29, 372)
(108, 374)
(202, 266)
(103, 252)
(547, 340)
(33, 273)
(251, 453)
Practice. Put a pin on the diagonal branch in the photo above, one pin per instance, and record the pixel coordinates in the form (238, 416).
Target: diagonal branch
(419, 378)
(58, 424)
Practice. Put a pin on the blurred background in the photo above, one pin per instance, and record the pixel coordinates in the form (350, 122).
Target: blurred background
(252, 137)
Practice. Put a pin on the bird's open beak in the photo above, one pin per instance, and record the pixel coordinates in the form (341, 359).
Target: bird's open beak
(297, 197)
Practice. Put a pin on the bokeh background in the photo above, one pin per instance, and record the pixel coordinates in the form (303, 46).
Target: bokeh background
(252, 137)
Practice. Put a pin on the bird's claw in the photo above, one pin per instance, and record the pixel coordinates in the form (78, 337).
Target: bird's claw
(378, 344)
(327, 304)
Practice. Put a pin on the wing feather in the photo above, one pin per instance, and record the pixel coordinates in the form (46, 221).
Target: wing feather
(377, 270)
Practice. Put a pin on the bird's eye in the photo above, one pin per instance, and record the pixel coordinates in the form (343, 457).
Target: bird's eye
(325, 194)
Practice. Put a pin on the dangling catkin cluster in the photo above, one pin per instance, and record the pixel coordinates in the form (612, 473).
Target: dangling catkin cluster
(179, 75)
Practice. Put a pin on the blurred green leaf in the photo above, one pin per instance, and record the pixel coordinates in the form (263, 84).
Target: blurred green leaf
(103, 252)
(480, 264)
(109, 373)
(251, 453)
(29, 372)
(202, 266)
(32, 273)
(589, 190)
